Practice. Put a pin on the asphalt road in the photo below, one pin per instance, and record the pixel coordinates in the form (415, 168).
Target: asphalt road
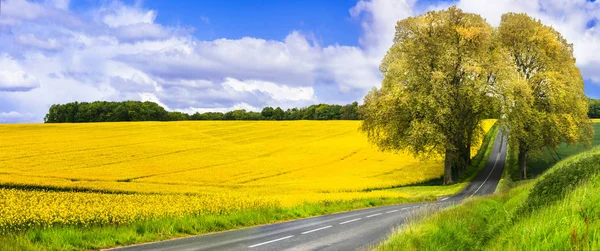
(359, 229)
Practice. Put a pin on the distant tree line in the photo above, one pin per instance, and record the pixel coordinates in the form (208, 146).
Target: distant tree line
(594, 108)
(103, 111)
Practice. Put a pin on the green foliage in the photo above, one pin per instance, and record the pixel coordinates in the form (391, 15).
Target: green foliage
(102, 111)
(437, 81)
(594, 108)
(545, 105)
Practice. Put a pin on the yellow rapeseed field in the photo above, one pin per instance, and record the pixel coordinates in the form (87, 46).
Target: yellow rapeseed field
(194, 167)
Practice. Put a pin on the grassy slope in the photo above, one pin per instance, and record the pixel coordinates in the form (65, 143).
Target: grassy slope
(536, 165)
(75, 238)
(558, 211)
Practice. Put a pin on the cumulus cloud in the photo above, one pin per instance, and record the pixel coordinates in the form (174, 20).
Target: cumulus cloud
(277, 92)
(571, 18)
(33, 41)
(50, 54)
(378, 20)
(121, 15)
(13, 78)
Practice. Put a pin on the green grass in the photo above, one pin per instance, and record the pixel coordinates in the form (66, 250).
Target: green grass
(558, 211)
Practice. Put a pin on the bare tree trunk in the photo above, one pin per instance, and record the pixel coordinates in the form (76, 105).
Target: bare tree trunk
(448, 164)
(468, 154)
(523, 164)
(464, 160)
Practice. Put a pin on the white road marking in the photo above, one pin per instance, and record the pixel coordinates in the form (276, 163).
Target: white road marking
(444, 199)
(373, 215)
(342, 223)
(315, 230)
(415, 207)
(271, 241)
(406, 208)
(391, 211)
(490, 174)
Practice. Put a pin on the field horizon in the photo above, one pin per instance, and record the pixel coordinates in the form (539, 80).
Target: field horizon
(184, 157)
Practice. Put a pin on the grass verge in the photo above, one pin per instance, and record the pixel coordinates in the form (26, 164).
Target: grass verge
(558, 211)
(97, 237)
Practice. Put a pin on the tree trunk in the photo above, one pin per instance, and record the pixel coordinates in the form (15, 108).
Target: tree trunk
(448, 164)
(523, 164)
(464, 160)
(468, 154)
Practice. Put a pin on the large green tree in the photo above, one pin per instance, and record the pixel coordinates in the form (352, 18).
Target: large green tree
(546, 104)
(437, 85)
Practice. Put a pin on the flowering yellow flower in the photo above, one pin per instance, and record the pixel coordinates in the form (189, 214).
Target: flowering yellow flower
(189, 168)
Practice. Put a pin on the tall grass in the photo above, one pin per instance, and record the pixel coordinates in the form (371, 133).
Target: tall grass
(560, 210)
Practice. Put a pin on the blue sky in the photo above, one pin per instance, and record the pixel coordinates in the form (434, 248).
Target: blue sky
(221, 55)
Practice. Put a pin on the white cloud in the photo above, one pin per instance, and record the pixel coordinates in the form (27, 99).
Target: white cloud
(277, 92)
(122, 15)
(237, 106)
(17, 81)
(32, 40)
(13, 78)
(118, 52)
(22, 9)
(378, 21)
(570, 18)
(59, 4)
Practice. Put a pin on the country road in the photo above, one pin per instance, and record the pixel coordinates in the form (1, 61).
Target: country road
(351, 230)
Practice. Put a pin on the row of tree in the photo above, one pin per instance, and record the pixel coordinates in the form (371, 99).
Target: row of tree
(594, 108)
(449, 69)
(103, 111)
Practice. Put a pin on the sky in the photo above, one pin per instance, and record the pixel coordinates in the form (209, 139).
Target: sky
(199, 56)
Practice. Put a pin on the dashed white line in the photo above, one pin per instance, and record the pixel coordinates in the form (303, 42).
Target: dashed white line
(373, 215)
(391, 211)
(271, 241)
(314, 230)
(444, 199)
(406, 208)
(342, 223)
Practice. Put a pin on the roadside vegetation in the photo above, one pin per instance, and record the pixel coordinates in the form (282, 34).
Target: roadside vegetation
(98, 236)
(557, 211)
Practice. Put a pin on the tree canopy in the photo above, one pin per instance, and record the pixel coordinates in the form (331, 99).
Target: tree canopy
(594, 108)
(448, 69)
(437, 78)
(547, 102)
